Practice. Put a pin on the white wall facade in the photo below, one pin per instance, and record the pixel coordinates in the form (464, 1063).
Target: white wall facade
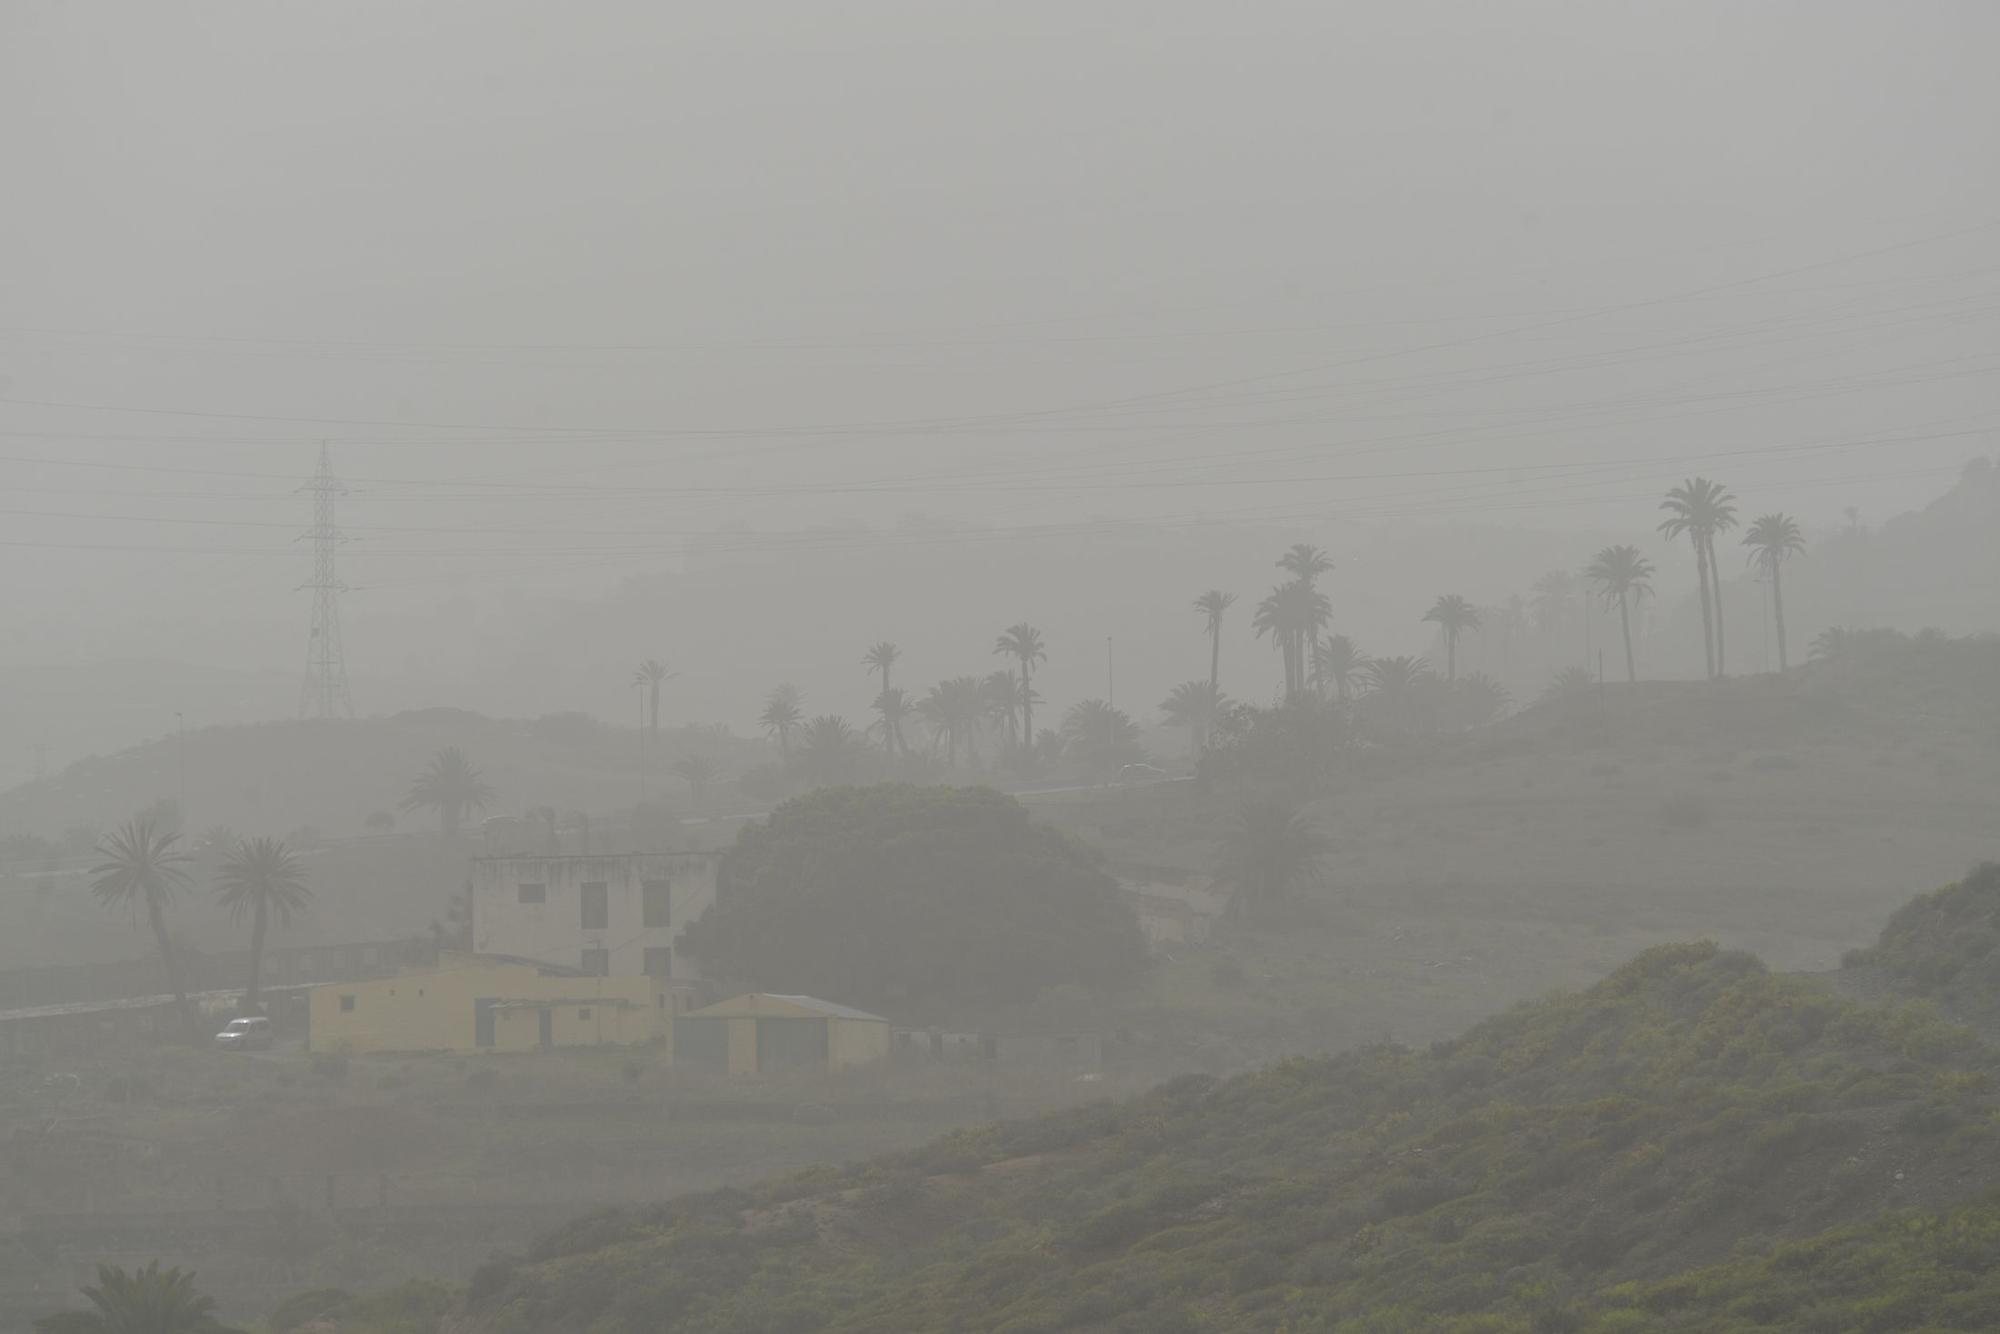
(534, 908)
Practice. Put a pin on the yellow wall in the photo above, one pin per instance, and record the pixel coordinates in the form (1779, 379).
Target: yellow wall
(856, 1042)
(742, 1046)
(433, 1009)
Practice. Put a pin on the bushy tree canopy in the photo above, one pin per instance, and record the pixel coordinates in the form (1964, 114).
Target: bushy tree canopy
(914, 900)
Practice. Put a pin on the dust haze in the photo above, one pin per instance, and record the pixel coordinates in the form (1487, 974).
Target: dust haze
(997, 666)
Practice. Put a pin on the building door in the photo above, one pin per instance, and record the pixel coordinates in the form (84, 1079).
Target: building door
(548, 1018)
(482, 1023)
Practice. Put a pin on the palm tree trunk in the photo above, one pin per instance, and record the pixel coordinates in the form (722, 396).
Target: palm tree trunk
(1450, 656)
(1707, 613)
(654, 705)
(1625, 624)
(190, 1021)
(258, 924)
(449, 816)
(1778, 607)
(1027, 708)
(1214, 680)
(1715, 574)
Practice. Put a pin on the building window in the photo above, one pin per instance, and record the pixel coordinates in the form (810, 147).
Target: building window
(596, 906)
(583, 1013)
(534, 893)
(659, 961)
(655, 903)
(597, 963)
(346, 1004)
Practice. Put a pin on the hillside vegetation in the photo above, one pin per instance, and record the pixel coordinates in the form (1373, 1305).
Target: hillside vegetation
(1555, 1168)
(1943, 946)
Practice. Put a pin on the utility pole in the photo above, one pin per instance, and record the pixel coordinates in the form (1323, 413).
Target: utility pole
(1110, 675)
(324, 694)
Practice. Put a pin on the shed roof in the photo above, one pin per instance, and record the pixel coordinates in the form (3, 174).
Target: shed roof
(767, 1004)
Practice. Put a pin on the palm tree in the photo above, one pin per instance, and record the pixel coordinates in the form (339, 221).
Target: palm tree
(880, 658)
(146, 1301)
(698, 771)
(1305, 562)
(1193, 705)
(782, 716)
(1100, 736)
(451, 787)
(953, 709)
(1453, 615)
(1307, 610)
(264, 878)
(1023, 643)
(648, 677)
(1395, 683)
(1001, 694)
(1267, 852)
(894, 706)
(1336, 662)
(1701, 509)
(1772, 539)
(1623, 576)
(142, 866)
(1292, 615)
(1211, 605)
(830, 748)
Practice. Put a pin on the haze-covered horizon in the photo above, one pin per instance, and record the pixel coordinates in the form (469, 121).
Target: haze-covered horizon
(593, 303)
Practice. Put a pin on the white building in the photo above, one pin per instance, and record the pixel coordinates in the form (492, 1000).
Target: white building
(612, 916)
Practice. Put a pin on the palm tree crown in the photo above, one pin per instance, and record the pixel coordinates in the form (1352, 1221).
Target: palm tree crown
(147, 1301)
(1023, 643)
(1267, 853)
(142, 868)
(141, 865)
(266, 879)
(451, 786)
(1303, 560)
(1699, 509)
(1772, 539)
(1336, 662)
(1453, 615)
(880, 658)
(1211, 605)
(782, 715)
(263, 874)
(1194, 705)
(1622, 576)
(1292, 616)
(648, 676)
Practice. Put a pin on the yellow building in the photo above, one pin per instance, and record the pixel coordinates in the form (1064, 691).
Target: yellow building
(475, 1002)
(760, 1033)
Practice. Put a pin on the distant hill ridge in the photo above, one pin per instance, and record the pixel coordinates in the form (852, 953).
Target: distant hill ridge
(275, 777)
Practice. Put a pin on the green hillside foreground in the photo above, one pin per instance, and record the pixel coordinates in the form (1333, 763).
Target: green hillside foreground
(1694, 1143)
(1943, 946)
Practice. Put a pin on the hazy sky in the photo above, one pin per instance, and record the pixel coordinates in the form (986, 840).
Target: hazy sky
(567, 284)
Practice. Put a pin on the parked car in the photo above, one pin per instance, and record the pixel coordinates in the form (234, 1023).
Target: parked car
(252, 1034)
